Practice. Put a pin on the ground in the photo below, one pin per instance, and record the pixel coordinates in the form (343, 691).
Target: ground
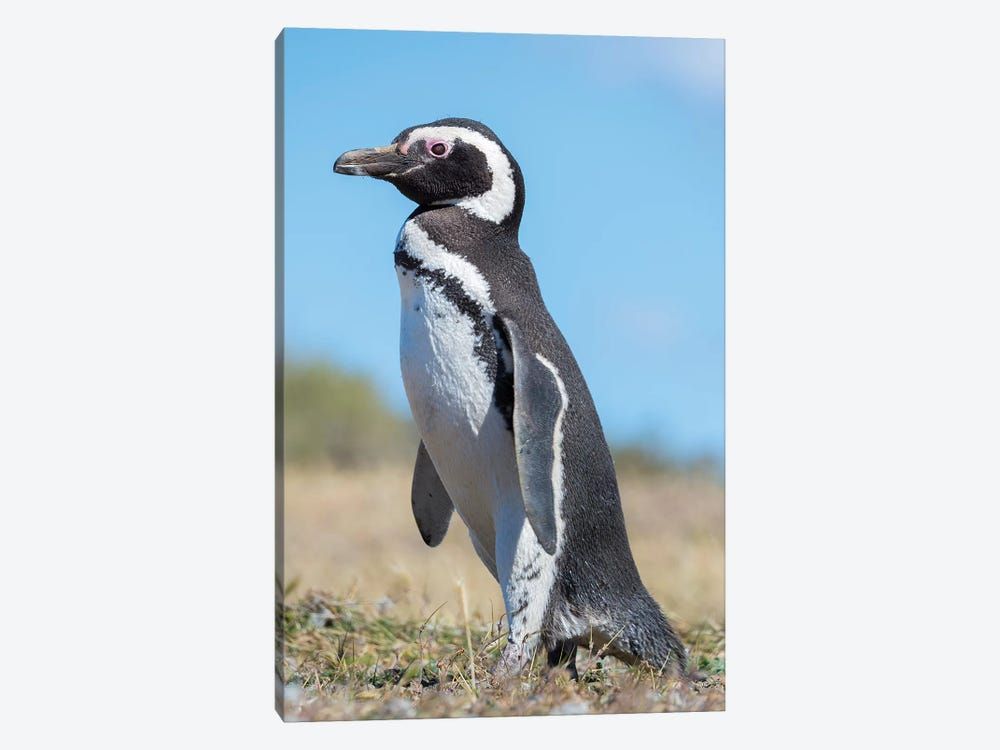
(374, 624)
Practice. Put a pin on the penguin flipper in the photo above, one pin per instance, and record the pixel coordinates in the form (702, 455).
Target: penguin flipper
(538, 405)
(432, 506)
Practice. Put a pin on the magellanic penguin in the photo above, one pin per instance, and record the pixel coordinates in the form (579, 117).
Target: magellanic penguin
(510, 437)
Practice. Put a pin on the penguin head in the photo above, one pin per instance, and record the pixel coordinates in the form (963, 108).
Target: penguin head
(447, 162)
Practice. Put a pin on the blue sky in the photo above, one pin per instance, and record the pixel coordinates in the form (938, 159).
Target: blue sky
(621, 141)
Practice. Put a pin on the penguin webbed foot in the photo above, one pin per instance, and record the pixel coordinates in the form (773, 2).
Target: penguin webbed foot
(514, 659)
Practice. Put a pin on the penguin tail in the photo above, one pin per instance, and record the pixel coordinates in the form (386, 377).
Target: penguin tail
(644, 635)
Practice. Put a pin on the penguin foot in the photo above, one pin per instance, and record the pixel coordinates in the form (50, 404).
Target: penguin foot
(563, 654)
(513, 661)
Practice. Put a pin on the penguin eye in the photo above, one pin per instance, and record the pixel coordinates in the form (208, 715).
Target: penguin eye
(437, 148)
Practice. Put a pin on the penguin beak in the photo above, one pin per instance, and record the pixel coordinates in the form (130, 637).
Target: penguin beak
(380, 162)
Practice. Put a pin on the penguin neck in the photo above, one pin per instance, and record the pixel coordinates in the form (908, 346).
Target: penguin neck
(497, 212)
(472, 227)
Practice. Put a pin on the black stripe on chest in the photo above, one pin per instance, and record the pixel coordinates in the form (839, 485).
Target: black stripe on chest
(503, 386)
(454, 292)
(486, 346)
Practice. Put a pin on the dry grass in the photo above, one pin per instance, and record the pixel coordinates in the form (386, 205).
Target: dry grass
(393, 641)
(349, 661)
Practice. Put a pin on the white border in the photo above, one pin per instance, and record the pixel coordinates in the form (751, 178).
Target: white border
(862, 371)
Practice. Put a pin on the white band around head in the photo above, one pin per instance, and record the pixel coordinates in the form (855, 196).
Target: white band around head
(497, 203)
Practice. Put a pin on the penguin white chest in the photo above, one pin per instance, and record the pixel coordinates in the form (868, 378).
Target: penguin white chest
(448, 358)
(448, 386)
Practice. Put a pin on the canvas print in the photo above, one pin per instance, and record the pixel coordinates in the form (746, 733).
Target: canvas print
(500, 374)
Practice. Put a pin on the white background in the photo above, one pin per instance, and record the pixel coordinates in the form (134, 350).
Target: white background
(136, 298)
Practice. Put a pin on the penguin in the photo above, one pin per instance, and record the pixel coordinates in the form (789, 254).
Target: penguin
(510, 437)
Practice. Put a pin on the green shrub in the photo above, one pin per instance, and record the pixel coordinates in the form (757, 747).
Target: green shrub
(338, 417)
